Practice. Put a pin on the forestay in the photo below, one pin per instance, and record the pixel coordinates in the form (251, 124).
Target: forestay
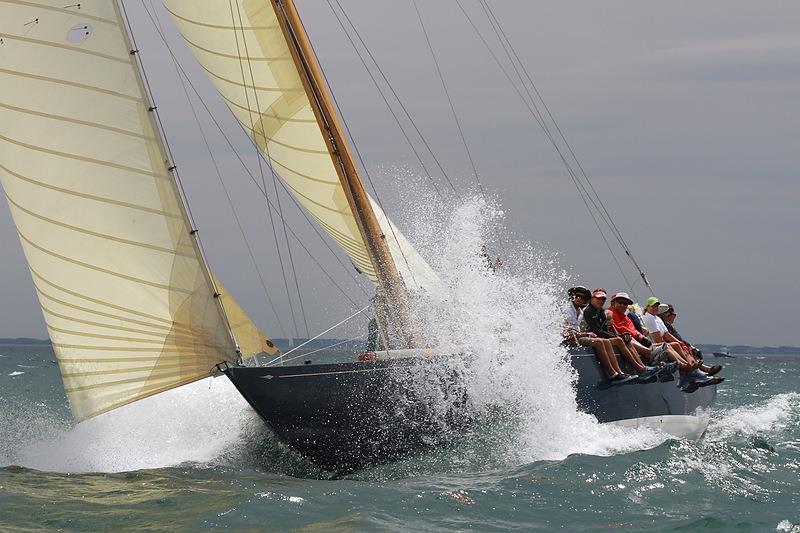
(240, 45)
(126, 296)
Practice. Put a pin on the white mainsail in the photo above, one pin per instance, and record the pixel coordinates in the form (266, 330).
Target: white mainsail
(125, 293)
(241, 46)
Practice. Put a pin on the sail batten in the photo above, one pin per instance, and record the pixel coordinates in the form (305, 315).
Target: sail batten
(125, 292)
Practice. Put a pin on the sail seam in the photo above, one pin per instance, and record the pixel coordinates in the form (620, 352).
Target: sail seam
(167, 323)
(77, 157)
(167, 370)
(74, 361)
(188, 343)
(70, 84)
(97, 234)
(89, 196)
(162, 334)
(142, 393)
(59, 10)
(218, 26)
(30, 40)
(343, 213)
(76, 121)
(176, 350)
(253, 87)
(231, 56)
(117, 382)
(256, 137)
(276, 117)
(101, 269)
(306, 176)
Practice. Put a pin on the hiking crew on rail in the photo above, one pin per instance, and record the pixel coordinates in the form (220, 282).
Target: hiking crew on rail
(649, 349)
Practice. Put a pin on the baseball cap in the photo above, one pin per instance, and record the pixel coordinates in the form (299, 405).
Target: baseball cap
(651, 301)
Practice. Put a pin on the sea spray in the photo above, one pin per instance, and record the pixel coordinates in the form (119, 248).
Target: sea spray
(505, 318)
(203, 422)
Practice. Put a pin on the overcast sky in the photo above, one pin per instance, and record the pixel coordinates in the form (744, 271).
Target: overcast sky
(684, 114)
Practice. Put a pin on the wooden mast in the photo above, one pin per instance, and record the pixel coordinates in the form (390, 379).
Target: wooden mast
(389, 280)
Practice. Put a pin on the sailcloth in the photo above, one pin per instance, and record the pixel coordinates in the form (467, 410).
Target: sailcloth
(240, 45)
(126, 296)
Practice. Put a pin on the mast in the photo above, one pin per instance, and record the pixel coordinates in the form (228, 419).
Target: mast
(389, 280)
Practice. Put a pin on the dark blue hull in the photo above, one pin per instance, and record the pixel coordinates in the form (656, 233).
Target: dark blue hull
(346, 416)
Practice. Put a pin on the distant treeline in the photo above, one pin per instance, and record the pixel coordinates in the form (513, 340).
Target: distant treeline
(746, 350)
(357, 345)
(24, 341)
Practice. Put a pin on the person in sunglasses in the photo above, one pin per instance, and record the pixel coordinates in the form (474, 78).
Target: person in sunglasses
(666, 312)
(623, 324)
(575, 334)
(595, 317)
(690, 380)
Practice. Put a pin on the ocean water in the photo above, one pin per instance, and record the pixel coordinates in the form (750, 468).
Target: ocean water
(197, 458)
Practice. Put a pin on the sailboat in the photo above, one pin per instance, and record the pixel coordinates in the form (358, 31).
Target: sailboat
(130, 303)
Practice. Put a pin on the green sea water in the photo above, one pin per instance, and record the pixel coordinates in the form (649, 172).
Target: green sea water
(197, 459)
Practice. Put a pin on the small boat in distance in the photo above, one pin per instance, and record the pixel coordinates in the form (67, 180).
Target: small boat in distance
(723, 352)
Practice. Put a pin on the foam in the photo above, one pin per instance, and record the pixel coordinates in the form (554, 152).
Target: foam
(197, 423)
(509, 323)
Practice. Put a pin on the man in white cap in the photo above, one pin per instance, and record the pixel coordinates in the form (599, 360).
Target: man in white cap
(595, 317)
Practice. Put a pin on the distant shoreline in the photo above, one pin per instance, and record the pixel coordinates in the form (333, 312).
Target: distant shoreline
(319, 343)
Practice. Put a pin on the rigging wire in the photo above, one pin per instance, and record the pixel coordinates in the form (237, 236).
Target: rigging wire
(281, 356)
(255, 182)
(363, 164)
(272, 171)
(599, 204)
(447, 94)
(258, 155)
(222, 183)
(385, 100)
(396, 96)
(334, 345)
(539, 118)
(182, 198)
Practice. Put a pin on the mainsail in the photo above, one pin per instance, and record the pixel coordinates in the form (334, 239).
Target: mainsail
(240, 45)
(126, 295)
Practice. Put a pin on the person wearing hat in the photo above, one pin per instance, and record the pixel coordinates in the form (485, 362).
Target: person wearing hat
(595, 317)
(575, 334)
(666, 312)
(690, 379)
(624, 326)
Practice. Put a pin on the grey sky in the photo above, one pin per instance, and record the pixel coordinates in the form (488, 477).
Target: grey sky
(684, 115)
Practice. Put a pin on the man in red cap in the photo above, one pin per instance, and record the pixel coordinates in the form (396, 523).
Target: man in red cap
(595, 317)
(618, 314)
(575, 334)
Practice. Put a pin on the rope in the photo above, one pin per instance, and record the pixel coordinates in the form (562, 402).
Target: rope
(183, 199)
(602, 210)
(447, 94)
(385, 100)
(222, 183)
(321, 334)
(364, 166)
(255, 182)
(334, 345)
(257, 149)
(394, 93)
